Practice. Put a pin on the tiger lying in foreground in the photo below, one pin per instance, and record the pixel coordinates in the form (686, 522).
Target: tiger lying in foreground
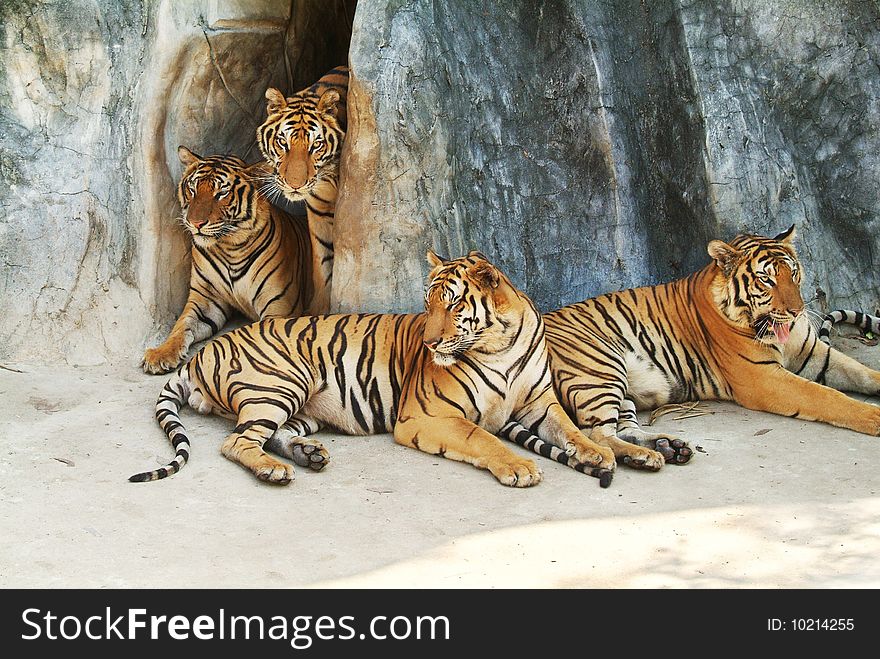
(444, 381)
(735, 330)
(247, 255)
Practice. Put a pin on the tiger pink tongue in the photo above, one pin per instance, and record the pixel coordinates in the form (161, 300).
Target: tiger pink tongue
(782, 330)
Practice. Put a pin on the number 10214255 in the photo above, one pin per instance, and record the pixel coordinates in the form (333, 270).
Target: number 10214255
(811, 624)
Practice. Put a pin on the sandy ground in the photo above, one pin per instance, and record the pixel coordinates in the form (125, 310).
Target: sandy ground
(768, 502)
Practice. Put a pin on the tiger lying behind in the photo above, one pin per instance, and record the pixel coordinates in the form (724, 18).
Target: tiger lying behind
(247, 255)
(735, 330)
(444, 381)
(301, 140)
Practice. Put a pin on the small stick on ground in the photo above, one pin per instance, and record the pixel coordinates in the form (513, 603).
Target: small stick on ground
(688, 409)
(690, 416)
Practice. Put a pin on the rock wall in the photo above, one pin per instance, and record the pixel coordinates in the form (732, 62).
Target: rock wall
(589, 146)
(95, 96)
(585, 146)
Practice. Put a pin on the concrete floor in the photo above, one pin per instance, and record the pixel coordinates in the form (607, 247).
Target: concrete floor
(798, 506)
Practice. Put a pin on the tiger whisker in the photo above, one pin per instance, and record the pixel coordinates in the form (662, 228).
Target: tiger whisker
(815, 319)
(760, 328)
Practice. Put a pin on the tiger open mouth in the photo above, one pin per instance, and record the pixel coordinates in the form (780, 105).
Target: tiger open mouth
(779, 327)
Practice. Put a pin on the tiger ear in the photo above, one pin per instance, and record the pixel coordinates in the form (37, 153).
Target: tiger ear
(329, 102)
(485, 274)
(786, 236)
(725, 256)
(433, 260)
(275, 101)
(186, 156)
(489, 277)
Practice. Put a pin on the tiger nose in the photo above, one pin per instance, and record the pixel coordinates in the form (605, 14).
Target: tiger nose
(198, 224)
(431, 344)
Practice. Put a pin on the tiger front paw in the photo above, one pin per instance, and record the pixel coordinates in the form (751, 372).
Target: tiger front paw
(868, 421)
(588, 453)
(643, 458)
(163, 359)
(516, 472)
(272, 471)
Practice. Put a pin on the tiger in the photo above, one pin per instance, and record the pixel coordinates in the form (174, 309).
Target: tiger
(247, 255)
(301, 140)
(443, 381)
(865, 322)
(735, 330)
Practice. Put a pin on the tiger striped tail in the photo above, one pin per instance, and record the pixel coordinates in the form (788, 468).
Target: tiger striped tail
(519, 434)
(174, 396)
(863, 321)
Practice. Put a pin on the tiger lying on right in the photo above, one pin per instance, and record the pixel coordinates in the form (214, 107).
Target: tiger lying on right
(735, 330)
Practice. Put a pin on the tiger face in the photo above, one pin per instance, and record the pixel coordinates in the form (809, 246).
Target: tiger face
(302, 140)
(216, 195)
(762, 288)
(471, 307)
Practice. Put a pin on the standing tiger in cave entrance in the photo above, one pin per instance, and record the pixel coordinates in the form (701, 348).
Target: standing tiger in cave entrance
(247, 255)
(302, 141)
(735, 330)
(444, 381)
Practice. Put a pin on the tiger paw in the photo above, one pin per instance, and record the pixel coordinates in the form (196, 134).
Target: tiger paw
(675, 451)
(309, 453)
(516, 472)
(593, 455)
(643, 458)
(162, 359)
(304, 452)
(275, 472)
(867, 421)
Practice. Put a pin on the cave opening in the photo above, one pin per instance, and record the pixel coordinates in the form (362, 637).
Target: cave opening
(206, 90)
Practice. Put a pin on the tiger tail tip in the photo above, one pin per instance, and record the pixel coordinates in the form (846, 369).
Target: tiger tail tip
(605, 476)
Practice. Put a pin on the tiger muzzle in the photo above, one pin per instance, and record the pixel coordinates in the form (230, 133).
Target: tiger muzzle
(435, 324)
(200, 211)
(295, 168)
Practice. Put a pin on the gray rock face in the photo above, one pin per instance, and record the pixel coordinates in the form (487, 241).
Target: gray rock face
(593, 146)
(585, 146)
(95, 96)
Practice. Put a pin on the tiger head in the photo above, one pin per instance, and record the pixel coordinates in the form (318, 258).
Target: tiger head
(302, 140)
(760, 285)
(216, 195)
(471, 307)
